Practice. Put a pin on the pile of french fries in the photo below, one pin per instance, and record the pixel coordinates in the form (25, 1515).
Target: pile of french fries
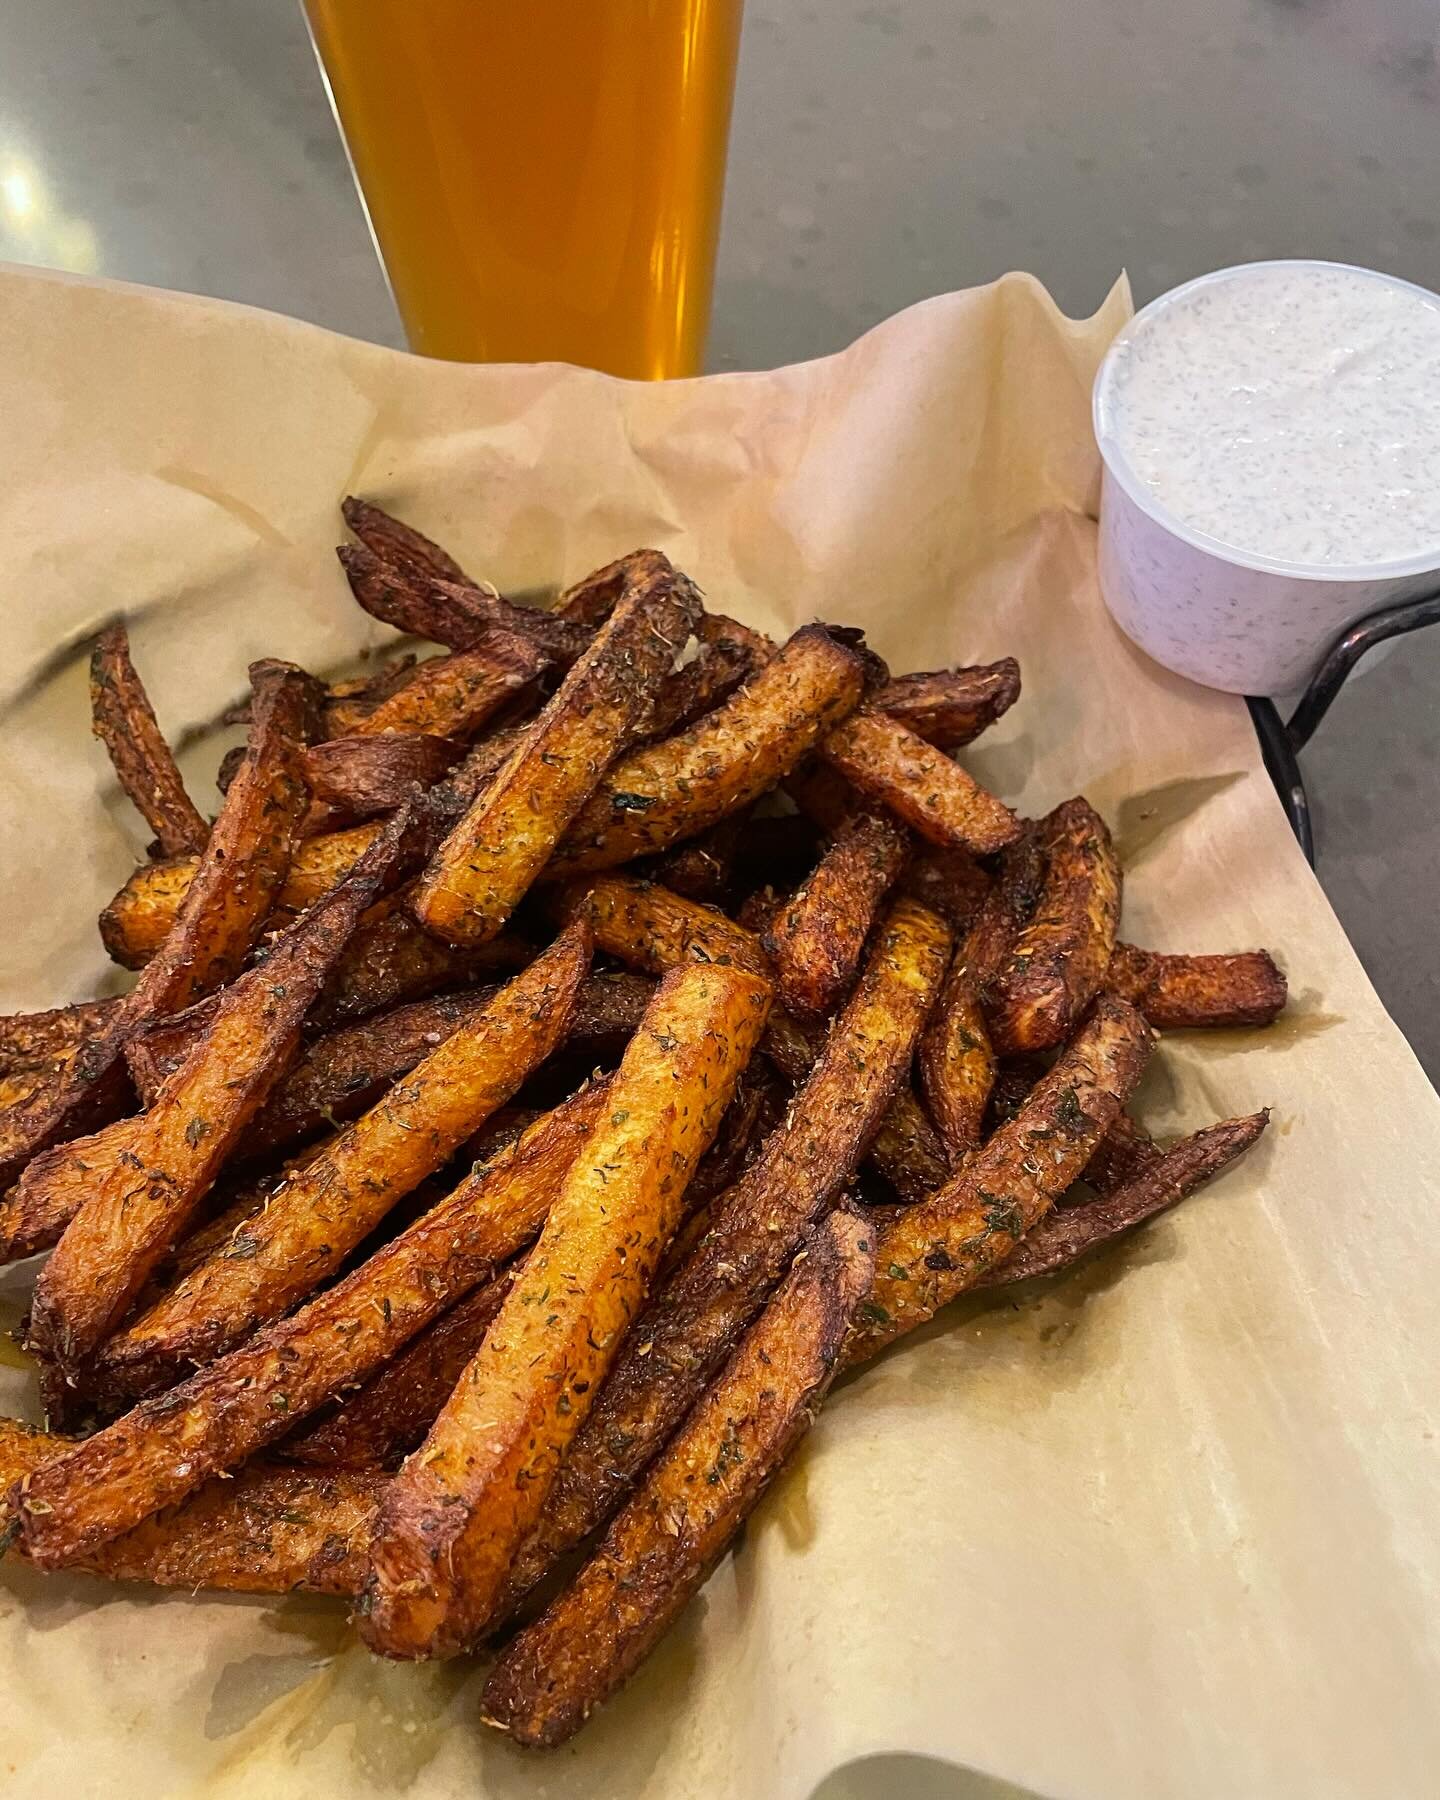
(558, 1060)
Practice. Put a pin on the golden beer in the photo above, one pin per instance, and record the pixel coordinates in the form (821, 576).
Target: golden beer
(543, 177)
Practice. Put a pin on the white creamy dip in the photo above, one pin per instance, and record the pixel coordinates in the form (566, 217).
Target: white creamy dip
(1290, 412)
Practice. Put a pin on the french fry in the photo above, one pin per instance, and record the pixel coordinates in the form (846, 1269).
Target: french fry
(949, 882)
(647, 926)
(591, 600)
(137, 922)
(124, 721)
(233, 887)
(1061, 1237)
(699, 1313)
(46, 1040)
(816, 939)
(453, 696)
(452, 1519)
(390, 960)
(704, 866)
(347, 702)
(361, 776)
(951, 707)
(1183, 993)
(692, 1501)
(146, 1183)
(681, 786)
(1126, 1151)
(339, 1075)
(956, 1058)
(325, 1209)
(269, 1531)
(493, 855)
(699, 687)
(1060, 959)
(940, 1246)
(390, 1415)
(163, 1450)
(395, 542)
(934, 796)
(457, 613)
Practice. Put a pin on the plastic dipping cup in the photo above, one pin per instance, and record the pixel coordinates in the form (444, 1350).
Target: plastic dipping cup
(1271, 445)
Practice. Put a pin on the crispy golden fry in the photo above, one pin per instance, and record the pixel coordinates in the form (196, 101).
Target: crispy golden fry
(951, 707)
(341, 1074)
(453, 696)
(233, 887)
(19, 1087)
(269, 1531)
(816, 939)
(165, 1448)
(692, 1501)
(1060, 959)
(493, 855)
(1061, 1238)
(358, 777)
(1181, 993)
(146, 1182)
(957, 1060)
(1125, 1152)
(644, 924)
(46, 1040)
(138, 920)
(933, 1250)
(395, 542)
(919, 783)
(454, 1516)
(391, 1413)
(309, 1226)
(681, 786)
(696, 1318)
(125, 722)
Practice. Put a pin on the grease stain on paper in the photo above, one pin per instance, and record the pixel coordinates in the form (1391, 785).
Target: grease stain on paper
(284, 1706)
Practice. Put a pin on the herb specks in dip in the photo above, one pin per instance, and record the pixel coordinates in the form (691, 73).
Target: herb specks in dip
(1292, 412)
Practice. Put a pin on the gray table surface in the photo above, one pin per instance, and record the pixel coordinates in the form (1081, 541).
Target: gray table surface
(880, 153)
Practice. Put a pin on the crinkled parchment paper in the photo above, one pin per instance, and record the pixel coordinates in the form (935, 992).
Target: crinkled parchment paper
(1166, 1528)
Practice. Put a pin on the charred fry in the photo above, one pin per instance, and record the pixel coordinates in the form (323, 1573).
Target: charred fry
(1182, 993)
(362, 776)
(233, 887)
(1061, 1238)
(692, 1501)
(816, 939)
(951, 707)
(957, 1060)
(124, 721)
(454, 1516)
(933, 1250)
(1060, 959)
